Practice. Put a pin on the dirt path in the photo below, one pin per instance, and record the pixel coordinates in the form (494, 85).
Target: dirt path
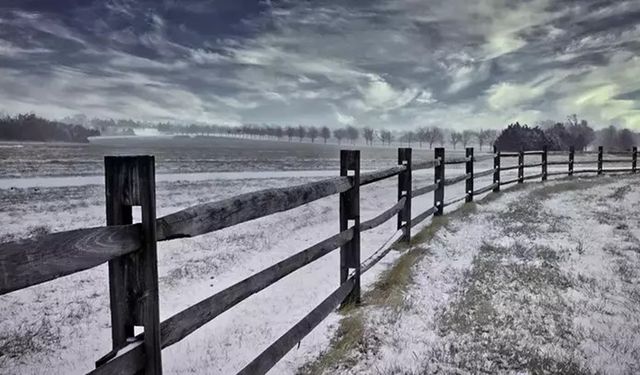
(539, 279)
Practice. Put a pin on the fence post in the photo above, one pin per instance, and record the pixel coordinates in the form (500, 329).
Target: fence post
(350, 211)
(521, 166)
(438, 178)
(496, 169)
(469, 171)
(599, 160)
(404, 190)
(544, 162)
(572, 151)
(133, 278)
(634, 159)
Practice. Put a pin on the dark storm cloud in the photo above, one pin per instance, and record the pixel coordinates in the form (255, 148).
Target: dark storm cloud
(382, 63)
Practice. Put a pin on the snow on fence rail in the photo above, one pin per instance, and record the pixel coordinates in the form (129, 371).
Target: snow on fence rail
(130, 248)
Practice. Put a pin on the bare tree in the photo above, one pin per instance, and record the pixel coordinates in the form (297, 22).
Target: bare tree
(325, 133)
(352, 133)
(467, 136)
(455, 137)
(339, 134)
(368, 133)
(291, 132)
(482, 137)
(434, 135)
(409, 137)
(301, 133)
(491, 135)
(421, 134)
(313, 133)
(386, 137)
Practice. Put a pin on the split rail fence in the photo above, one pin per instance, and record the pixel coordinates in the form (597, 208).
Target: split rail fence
(130, 249)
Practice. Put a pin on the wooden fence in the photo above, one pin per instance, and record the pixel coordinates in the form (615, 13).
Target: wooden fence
(130, 249)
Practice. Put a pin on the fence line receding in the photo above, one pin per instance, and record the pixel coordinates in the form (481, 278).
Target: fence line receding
(130, 249)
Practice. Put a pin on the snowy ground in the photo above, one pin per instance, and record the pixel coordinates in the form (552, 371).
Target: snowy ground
(63, 326)
(541, 279)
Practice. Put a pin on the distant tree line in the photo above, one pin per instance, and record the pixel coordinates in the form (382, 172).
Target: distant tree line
(516, 136)
(29, 127)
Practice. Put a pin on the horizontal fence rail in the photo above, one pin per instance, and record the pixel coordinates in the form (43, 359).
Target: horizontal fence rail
(123, 244)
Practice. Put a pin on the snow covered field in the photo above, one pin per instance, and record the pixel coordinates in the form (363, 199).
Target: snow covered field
(63, 326)
(543, 279)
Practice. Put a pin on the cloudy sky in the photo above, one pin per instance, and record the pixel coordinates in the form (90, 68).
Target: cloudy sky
(391, 63)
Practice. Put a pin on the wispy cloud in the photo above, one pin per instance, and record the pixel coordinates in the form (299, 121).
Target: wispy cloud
(401, 63)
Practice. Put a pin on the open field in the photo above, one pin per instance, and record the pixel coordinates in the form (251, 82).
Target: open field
(48, 326)
(200, 154)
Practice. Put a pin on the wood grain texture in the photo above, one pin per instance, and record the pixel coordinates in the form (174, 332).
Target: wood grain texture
(404, 193)
(36, 260)
(468, 185)
(371, 177)
(424, 190)
(456, 179)
(208, 217)
(488, 172)
(268, 358)
(128, 360)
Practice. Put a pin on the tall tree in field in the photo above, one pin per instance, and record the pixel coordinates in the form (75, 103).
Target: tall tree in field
(486, 136)
(455, 137)
(339, 134)
(367, 133)
(386, 137)
(325, 133)
(491, 136)
(434, 135)
(409, 137)
(467, 137)
(291, 132)
(581, 133)
(421, 135)
(626, 140)
(313, 133)
(301, 133)
(352, 134)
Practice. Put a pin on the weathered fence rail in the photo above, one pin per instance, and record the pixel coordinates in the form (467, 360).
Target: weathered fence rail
(130, 249)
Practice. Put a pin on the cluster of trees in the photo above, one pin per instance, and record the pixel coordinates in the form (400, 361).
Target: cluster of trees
(556, 136)
(612, 138)
(29, 127)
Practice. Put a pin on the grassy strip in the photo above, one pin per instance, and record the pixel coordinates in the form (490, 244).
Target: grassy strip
(388, 291)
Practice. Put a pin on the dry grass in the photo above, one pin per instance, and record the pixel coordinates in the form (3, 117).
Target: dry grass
(387, 292)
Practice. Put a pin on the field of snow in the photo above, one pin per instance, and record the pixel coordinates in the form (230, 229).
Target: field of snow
(63, 326)
(543, 279)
